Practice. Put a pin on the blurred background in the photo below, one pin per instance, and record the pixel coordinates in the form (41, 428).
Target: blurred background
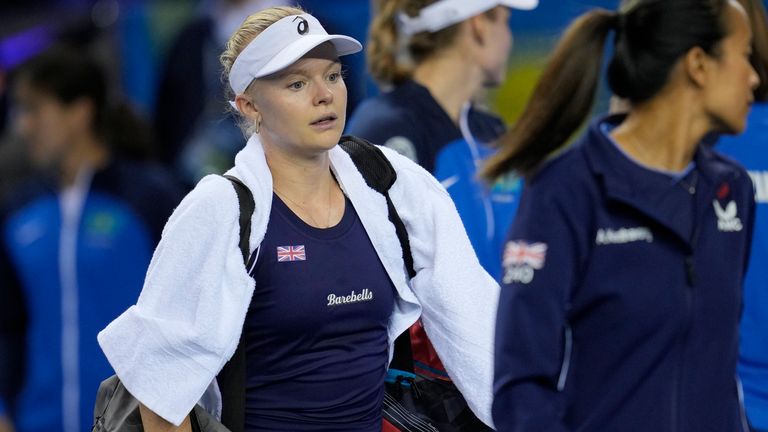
(161, 62)
(161, 58)
(135, 38)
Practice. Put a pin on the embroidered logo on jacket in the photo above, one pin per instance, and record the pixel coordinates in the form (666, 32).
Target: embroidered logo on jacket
(623, 235)
(334, 300)
(727, 219)
(291, 253)
(521, 259)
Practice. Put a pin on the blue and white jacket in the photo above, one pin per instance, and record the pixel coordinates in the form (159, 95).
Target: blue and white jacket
(69, 264)
(410, 121)
(622, 294)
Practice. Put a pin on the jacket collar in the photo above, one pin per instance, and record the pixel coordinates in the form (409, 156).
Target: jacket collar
(653, 194)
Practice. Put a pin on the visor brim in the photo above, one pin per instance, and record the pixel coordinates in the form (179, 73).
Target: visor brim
(344, 45)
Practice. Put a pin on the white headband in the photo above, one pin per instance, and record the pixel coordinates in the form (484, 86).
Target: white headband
(280, 45)
(444, 13)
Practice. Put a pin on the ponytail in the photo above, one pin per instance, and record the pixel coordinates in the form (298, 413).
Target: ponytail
(383, 44)
(561, 100)
(387, 50)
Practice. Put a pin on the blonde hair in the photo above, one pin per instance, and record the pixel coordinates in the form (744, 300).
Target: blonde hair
(249, 29)
(384, 45)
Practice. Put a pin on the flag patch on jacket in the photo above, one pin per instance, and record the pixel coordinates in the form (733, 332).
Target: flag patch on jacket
(521, 259)
(524, 253)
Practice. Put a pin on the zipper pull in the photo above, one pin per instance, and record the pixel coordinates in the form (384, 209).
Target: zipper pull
(690, 270)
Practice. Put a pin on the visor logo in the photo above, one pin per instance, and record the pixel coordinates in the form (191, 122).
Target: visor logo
(303, 27)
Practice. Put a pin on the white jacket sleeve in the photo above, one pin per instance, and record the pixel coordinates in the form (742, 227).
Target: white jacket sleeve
(169, 347)
(458, 297)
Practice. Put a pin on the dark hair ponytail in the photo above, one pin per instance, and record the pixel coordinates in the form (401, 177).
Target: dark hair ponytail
(651, 36)
(561, 100)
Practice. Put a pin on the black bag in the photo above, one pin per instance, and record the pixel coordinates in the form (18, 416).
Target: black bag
(417, 403)
(120, 411)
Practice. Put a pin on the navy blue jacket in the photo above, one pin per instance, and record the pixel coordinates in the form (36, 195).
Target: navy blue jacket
(621, 296)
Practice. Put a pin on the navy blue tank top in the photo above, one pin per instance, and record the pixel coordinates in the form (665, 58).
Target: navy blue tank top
(316, 330)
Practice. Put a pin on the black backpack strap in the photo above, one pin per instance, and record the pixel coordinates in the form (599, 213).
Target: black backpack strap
(380, 176)
(247, 206)
(231, 379)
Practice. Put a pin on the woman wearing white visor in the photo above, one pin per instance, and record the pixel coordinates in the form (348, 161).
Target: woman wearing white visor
(432, 58)
(328, 291)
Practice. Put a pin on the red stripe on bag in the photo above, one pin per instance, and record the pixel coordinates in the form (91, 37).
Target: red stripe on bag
(387, 427)
(424, 352)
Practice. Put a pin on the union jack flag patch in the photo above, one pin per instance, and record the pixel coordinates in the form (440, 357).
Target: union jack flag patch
(291, 253)
(518, 253)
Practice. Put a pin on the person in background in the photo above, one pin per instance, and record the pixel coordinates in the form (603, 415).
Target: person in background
(751, 149)
(327, 292)
(75, 240)
(433, 57)
(623, 270)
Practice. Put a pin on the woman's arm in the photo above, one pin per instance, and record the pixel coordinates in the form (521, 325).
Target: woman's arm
(544, 256)
(154, 423)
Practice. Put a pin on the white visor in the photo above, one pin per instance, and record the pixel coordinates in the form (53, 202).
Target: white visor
(445, 13)
(282, 44)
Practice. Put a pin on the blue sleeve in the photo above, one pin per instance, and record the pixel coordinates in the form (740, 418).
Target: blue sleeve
(12, 330)
(541, 259)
